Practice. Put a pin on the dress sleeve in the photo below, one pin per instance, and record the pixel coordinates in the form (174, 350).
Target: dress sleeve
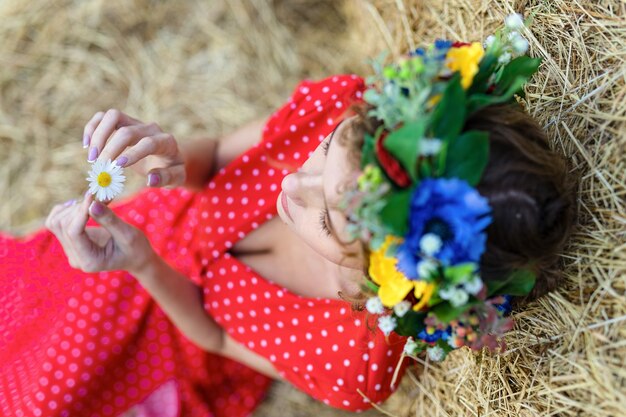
(323, 347)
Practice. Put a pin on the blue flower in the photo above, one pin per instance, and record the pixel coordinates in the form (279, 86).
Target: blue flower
(452, 210)
(505, 308)
(434, 336)
(441, 47)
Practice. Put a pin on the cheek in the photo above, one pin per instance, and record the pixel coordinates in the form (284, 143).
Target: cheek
(310, 231)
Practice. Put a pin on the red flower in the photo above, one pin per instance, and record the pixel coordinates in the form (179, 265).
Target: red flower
(459, 44)
(390, 165)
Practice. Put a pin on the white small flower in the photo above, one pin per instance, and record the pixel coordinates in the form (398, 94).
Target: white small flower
(446, 293)
(425, 267)
(519, 45)
(436, 353)
(387, 324)
(430, 146)
(401, 308)
(430, 244)
(458, 298)
(106, 180)
(453, 341)
(474, 285)
(505, 58)
(375, 306)
(410, 346)
(489, 41)
(514, 21)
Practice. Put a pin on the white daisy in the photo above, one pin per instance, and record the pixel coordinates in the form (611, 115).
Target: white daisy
(106, 180)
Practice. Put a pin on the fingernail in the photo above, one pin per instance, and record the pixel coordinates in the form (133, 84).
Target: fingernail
(121, 161)
(93, 154)
(153, 180)
(87, 193)
(69, 203)
(96, 208)
(86, 140)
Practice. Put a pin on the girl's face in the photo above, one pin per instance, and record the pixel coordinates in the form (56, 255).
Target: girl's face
(310, 197)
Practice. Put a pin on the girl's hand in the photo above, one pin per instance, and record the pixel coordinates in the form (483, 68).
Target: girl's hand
(115, 246)
(132, 143)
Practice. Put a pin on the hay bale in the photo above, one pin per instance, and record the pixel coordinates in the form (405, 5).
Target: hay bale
(567, 352)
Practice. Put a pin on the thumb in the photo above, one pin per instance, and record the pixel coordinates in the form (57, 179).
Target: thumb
(170, 177)
(121, 232)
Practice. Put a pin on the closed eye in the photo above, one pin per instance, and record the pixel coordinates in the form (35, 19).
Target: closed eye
(325, 146)
(323, 216)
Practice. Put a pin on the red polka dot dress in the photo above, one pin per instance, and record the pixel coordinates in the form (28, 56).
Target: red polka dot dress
(96, 344)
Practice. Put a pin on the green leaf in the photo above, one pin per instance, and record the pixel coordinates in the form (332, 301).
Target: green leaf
(410, 324)
(460, 273)
(519, 283)
(449, 115)
(371, 286)
(486, 67)
(467, 155)
(403, 144)
(446, 312)
(395, 214)
(522, 67)
(367, 154)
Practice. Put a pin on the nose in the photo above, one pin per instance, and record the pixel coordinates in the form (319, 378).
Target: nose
(304, 189)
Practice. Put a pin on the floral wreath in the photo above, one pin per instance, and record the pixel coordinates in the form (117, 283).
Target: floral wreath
(414, 203)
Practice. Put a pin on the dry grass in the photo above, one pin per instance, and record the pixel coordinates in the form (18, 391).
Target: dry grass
(202, 68)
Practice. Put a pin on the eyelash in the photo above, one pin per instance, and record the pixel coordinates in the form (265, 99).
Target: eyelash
(325, 146)
(325, 228)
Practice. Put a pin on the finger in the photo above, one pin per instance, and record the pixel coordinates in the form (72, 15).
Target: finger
(84, 252)
(112, 120)
(98, 235)
(90, 127)
(170, 177)
(162, 144)
(124, 137)
(123, 233)
(53, 219)
(57, 223)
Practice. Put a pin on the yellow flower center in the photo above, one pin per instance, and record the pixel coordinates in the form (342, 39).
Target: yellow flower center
(104, 179)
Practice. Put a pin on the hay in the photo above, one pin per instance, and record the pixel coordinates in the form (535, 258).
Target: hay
(566, 355)
(197, 68)
(202, 68)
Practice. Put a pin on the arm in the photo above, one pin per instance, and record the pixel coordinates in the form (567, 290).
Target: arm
(182, 302)
(204, 157)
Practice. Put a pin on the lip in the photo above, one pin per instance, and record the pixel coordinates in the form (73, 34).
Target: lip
(285, 203)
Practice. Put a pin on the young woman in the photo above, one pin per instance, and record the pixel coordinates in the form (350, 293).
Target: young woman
(236, 265)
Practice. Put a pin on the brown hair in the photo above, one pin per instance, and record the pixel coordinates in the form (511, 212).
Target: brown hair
(529, 188)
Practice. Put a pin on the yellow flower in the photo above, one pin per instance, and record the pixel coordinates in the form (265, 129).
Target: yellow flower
(465, 59)
(394, 286)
